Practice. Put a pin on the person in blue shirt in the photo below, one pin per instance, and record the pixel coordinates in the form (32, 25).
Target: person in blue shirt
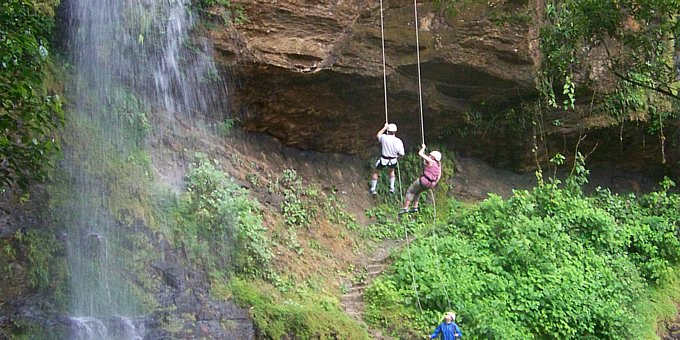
(448, 329)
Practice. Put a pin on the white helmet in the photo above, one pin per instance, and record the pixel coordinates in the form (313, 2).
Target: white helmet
(437, 155)
(392, 128)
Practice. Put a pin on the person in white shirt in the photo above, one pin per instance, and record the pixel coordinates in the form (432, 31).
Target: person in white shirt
(392, 148)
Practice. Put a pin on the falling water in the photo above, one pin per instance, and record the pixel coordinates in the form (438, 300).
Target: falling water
(133, 62)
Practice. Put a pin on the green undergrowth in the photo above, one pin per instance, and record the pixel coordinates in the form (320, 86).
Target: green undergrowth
(549, 262)
(31, 260)
(221, 227)
(300, 312)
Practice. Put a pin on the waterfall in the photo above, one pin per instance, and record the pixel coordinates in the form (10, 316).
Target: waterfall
(132, 63)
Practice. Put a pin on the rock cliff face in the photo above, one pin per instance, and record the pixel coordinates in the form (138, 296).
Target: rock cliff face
(311, 74)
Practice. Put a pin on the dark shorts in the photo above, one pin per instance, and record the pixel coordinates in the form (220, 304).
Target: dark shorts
(382, 163)
(390, 166)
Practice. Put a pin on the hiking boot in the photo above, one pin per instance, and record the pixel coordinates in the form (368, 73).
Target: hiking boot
(372, 192)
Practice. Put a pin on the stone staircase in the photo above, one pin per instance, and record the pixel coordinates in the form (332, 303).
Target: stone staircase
(370, 268)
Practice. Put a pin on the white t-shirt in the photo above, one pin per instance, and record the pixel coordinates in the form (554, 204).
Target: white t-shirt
(391, 146)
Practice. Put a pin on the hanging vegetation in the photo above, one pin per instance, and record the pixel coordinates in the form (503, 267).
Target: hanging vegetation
(29, 110)
(623, 54)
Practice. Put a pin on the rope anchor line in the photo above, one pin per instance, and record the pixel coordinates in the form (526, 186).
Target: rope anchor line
(422, 134)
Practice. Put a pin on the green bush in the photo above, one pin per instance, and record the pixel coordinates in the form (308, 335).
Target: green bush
(29, 112)
(546, 263)
(299, 204)
(220, 223)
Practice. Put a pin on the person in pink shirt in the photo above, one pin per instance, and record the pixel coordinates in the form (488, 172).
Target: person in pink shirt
(432, 172)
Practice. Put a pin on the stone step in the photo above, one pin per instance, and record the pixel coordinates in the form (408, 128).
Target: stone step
(354, 291)
(355, 313)
(357, 301)
(359, 289)
(377, 266)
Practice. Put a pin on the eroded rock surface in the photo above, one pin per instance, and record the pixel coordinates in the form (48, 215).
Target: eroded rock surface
(311, 72)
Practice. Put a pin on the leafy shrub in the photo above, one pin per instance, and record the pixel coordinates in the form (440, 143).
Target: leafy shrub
(229, 11)
(546, 263)
(298, 204)
(221, 220)
(28, 111)
(384, 304)
(41, 248)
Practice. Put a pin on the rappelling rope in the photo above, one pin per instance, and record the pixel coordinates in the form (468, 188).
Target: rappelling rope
(382, 39)
(414, 285)
(422, 134)
(420, 87)
(413, 271)
(384, 64)
(439, 270)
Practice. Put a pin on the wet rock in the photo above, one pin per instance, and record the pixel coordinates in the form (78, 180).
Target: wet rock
(172, 274)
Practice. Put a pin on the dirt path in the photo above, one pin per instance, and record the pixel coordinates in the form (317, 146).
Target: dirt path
(370, 268)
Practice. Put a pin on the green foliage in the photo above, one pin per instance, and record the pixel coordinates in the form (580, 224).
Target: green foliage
(294, 209)
(654, 245)
(228, 126)
(302, 314)
(636, 38)
(41, 258)
(230, 13)
(122, 169)
(40, 248)
(220, 222)
(385, 303)
(28, 111)
(131, 111)
(452, 7)
(336, 213)
(209, 3)
(522, 17)
(546, 263)
(299, 205)
(27, 329)
(385, 224)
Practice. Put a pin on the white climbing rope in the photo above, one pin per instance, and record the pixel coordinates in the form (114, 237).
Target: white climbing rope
(420, 87)
(382, 39)
(436, 251)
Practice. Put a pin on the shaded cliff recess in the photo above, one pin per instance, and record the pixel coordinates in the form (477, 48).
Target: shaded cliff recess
(309, 67)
